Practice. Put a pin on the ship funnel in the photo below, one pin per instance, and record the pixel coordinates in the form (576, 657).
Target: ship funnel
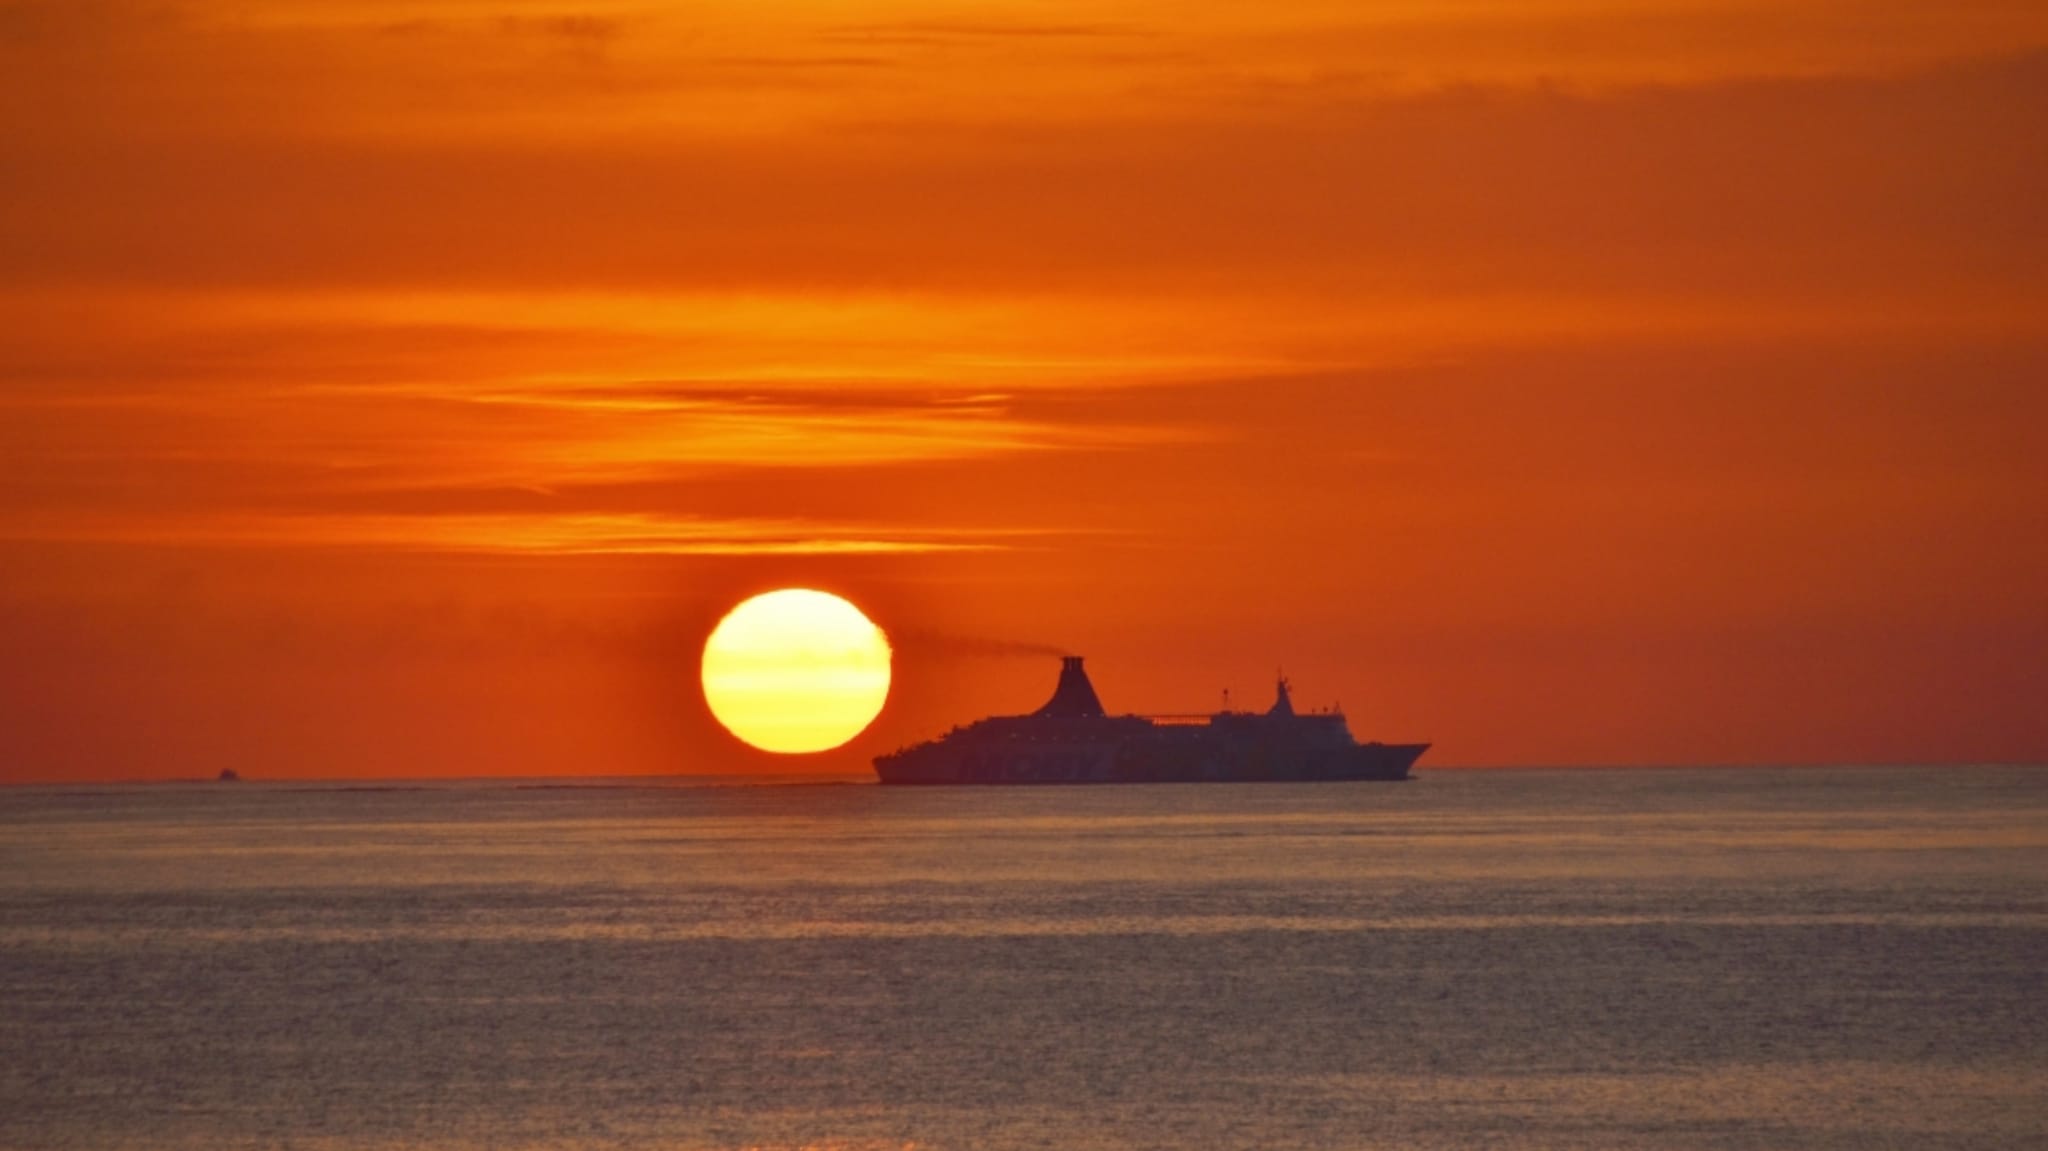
(1075, 696)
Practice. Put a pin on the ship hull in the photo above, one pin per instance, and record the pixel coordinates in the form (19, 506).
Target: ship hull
(1082, 763)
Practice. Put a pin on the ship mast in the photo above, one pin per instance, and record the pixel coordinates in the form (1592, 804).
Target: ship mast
(1283, 705)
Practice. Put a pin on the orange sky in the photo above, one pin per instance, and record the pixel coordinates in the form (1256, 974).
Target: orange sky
(404, 387)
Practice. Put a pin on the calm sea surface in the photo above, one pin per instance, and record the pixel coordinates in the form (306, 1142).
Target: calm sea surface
(1589, 959)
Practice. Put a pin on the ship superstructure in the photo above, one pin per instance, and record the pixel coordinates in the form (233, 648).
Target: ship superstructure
(1072, 739)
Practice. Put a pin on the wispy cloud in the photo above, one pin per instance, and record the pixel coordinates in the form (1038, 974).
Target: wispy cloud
(570, 534)
(925, 33)
(517, 468)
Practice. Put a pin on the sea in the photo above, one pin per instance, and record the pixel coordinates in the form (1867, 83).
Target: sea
(1628, 959)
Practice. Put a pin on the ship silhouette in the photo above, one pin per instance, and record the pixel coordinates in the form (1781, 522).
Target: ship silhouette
(1072, 739)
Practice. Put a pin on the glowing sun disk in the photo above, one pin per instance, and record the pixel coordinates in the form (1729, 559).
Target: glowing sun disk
(796, 671)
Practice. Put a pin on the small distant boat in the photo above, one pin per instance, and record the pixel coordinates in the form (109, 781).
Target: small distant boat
(229, 775)
(1073, 740)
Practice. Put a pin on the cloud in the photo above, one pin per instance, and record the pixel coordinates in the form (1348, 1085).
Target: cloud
(945, 645)
(1912, 189)
(614, 468)
(926, 33)
(581, 29)
(569, 534)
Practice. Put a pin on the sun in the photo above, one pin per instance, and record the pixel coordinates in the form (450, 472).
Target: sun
(796, 671)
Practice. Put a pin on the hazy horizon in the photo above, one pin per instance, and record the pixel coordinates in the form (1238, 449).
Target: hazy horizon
(820, 774)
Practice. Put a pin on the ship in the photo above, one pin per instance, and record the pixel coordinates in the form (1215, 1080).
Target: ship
(1072, 739)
